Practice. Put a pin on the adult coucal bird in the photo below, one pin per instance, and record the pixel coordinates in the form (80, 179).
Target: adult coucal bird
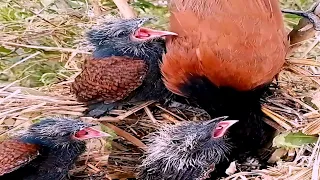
(225, 57)
(47, 150)
(124, 67)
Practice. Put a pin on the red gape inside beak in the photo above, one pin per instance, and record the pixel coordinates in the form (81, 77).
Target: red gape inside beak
(222, 128)
(143, 34)
(89, 133)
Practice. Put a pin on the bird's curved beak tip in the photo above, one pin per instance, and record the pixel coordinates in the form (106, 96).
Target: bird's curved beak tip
(231, 122)
(169, 33)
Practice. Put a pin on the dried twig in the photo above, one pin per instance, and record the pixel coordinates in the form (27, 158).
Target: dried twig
(44, 47)
(125, 10)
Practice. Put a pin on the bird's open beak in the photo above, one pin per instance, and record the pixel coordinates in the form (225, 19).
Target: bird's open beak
(147, 34)
(222, 128)
(90, 133)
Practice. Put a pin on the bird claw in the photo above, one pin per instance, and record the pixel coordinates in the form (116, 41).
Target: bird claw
(310, 14)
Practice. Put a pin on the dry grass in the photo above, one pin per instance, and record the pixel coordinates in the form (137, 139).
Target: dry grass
(41, 51)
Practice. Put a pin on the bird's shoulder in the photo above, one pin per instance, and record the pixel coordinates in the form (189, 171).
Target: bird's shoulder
(15, 154)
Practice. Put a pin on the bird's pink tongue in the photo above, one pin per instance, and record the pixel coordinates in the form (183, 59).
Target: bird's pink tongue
(146, 33)
(222, 128)
(89, 133)
(142, 34)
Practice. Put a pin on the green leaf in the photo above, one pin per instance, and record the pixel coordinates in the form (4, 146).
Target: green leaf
(76, 4)
(4, 50)
(108, 130)
(142, 4)
(35, 120)
(293, 140)
(48, 78)
(300, 139)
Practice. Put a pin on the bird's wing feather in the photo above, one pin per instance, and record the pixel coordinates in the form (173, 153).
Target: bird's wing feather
(236, 43)
(15, 154)
(109, 79)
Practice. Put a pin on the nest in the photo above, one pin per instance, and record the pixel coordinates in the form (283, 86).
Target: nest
(56, 33)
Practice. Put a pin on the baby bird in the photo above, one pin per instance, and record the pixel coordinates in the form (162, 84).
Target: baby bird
(187, 151)
(47, 150)
(124, 67)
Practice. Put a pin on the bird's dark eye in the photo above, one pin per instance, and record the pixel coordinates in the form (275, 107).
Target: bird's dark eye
(64, 134)
(120, 33)
(175, 141)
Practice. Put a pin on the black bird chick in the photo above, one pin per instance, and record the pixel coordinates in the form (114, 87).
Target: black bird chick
(187, 151)
(124, 67)
(46, 151)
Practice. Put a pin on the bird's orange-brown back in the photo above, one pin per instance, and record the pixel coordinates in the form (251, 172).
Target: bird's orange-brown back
(234, 43)
(15, 154)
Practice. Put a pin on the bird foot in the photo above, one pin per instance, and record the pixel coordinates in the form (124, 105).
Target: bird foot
(310, 14)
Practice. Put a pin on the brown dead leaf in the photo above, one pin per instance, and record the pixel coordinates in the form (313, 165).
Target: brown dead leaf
(277, 155)
(299, 33)
(170, 118)
(312, 128)
(316, 99)
(126, 135)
